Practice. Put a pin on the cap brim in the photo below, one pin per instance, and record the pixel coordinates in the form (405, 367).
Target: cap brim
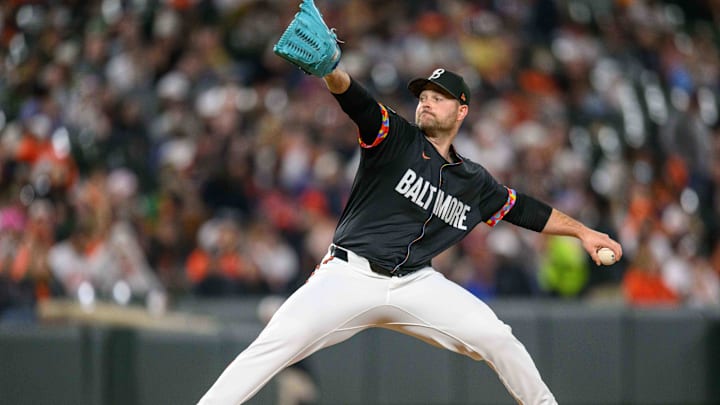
(416, 86)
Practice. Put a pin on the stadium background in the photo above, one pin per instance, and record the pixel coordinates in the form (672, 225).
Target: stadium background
(161, 172)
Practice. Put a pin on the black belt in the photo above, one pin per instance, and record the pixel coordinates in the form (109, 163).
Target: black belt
(342, 254)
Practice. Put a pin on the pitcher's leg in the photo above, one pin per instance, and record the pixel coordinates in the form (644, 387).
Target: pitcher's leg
(321, 313)
(453, 318)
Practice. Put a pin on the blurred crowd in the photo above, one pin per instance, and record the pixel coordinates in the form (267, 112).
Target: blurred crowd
(159, 146)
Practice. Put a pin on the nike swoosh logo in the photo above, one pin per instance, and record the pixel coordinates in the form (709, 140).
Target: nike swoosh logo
(424, 156)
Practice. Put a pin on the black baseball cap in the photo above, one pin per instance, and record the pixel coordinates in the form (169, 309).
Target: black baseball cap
(451, 82)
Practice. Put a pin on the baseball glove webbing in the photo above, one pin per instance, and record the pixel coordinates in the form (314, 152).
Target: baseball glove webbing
(308, 43)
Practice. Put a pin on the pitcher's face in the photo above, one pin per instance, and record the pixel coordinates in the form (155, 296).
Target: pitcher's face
(437, 112)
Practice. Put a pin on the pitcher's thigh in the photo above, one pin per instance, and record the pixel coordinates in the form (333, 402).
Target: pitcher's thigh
(448, 315)
(333, 298)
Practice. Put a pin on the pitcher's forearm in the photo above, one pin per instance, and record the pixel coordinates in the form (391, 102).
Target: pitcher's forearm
(592, 240)
(561, 224)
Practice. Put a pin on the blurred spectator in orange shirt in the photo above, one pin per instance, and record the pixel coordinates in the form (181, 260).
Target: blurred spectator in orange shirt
(47, 154)
(643, 282)
(217, 267)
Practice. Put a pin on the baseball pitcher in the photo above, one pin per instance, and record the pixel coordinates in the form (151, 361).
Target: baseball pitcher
(413, 196)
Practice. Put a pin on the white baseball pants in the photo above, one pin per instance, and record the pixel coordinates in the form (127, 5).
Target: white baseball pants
(344, 298)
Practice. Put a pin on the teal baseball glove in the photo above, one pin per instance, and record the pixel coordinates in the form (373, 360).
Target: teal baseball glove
(308, 43)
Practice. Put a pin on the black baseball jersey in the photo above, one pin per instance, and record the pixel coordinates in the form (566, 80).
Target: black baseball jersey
(407, 203)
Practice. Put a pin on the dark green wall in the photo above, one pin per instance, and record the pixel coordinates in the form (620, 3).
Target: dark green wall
(586, 354)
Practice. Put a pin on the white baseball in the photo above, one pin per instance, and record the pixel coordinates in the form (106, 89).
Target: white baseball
(607, 256)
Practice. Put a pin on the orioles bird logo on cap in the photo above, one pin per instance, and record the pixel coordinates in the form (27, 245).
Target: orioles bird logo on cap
(462, 96)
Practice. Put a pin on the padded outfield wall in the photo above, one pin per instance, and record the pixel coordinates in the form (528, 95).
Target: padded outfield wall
(586, 354)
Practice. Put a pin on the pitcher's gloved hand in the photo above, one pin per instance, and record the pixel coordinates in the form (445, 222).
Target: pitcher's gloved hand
(308, 43)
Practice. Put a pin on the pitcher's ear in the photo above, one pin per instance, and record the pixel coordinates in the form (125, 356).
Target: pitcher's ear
(462, 112)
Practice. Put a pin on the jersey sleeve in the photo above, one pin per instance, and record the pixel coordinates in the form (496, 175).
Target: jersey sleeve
(529, 213)
(382, 133)
(498, 200)
(369, 116)
(504, 209)
(504, 203)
